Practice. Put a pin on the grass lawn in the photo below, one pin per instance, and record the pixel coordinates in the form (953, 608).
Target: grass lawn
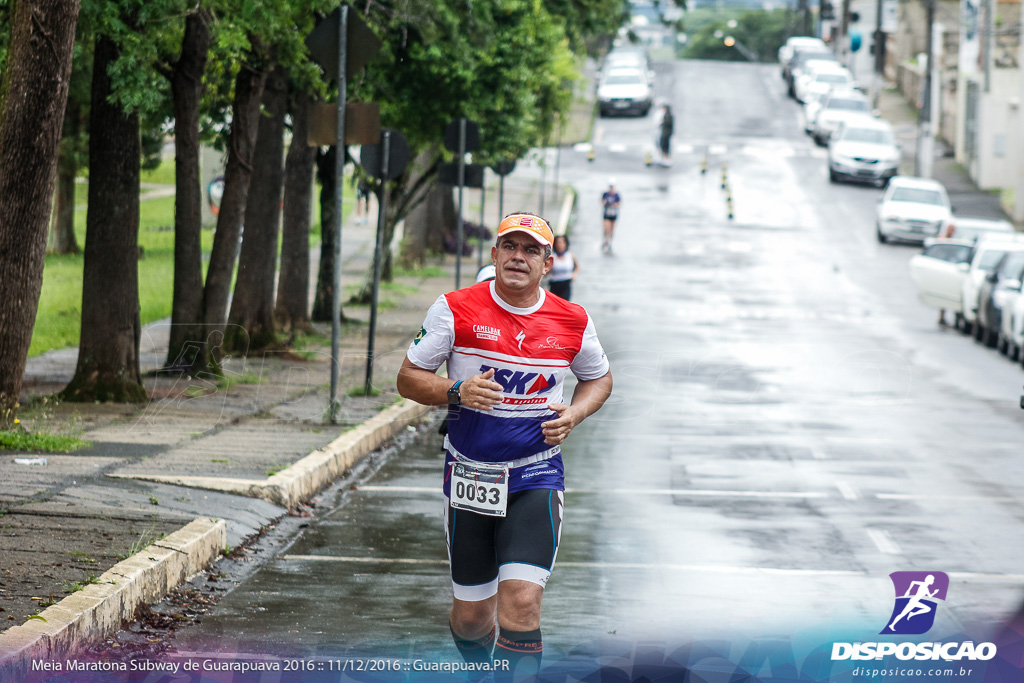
(58, 320)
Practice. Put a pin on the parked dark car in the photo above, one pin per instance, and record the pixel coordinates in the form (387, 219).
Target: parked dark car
(1006, 276)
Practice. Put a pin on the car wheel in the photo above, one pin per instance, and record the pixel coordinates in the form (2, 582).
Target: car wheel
(1001, 345)
(979, 330)
(832, 177)
(1013, 351)
(991, 339)
(958, 321)
(878, 233)
(967, 328)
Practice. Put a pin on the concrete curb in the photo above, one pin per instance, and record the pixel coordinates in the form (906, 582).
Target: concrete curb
(303, 479)
(99, 609)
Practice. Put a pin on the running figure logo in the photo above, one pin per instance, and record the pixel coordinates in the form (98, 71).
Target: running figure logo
(917, 595)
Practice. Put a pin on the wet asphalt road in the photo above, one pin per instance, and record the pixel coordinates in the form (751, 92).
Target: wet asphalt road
(788, 426)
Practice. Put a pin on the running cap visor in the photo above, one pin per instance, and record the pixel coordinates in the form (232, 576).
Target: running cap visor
(486, 273)
(535, 226)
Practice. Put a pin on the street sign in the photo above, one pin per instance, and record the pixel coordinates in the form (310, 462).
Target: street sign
(362, 124)
(473, 175)
(370, 156)
(362, 44)
(451, 136)
(504, 167)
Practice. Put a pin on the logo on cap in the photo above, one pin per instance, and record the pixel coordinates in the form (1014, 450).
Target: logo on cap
(536, 226)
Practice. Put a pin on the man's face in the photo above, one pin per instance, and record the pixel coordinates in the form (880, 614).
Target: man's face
(519, 261)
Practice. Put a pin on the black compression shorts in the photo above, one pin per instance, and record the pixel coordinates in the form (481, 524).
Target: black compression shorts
(485, 550)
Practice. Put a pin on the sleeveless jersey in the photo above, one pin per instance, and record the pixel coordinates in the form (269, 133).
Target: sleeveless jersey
(563, 268)
(531, 350)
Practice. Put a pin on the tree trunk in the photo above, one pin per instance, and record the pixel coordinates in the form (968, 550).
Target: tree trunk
(108, 353)
(424, 226)
(187, 89)
(32, 100)
(62, 226)
(405, 194)
(323, 300)
(237, 173)
(292, 312)
(251, 324)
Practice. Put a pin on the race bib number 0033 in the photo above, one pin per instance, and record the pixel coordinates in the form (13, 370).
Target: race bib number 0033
(481, 490)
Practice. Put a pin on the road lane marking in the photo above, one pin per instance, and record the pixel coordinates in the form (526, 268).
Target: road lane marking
(969, 499)
(617, 148)
(593, 565)
(847, 491)
(883, 541)
(633, 492)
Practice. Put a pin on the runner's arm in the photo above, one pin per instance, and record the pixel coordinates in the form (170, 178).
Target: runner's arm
(587, 399)
(427, 388)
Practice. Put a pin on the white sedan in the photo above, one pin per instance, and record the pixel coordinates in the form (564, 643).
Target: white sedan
(912, 209)
(819, 74)
(863, 150)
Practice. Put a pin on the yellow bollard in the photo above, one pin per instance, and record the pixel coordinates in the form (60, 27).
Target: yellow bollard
(648, 159)
(724, 176)
(704, 165)
(590, 154)
(728, 203)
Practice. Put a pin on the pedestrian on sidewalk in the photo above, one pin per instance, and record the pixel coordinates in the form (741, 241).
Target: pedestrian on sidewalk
(665, 129)
(508, 348)
(564, 269)
(362, 201)
(610, 202)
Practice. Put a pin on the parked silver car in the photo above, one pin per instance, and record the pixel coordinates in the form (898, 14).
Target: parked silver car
(864, 150)
(623, 91)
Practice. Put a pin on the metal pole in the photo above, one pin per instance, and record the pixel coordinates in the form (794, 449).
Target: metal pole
(378, 256)
(543, 177)
(876, 81)
(501, 197)
(1018, 201)
(339, 173)
(462, 181)
(480, 240)
(926, 135)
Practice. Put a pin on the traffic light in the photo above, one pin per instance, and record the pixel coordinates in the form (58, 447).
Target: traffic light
(827, 12)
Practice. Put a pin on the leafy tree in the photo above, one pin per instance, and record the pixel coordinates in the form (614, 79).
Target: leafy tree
(33, 94)
(761, 32)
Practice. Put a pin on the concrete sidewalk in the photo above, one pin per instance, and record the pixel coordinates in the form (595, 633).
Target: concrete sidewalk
(167, 486)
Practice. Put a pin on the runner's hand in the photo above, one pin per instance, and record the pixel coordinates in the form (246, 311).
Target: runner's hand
(480, 392)
(556, 430)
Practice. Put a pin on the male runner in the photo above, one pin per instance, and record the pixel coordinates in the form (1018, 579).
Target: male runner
(508, 347)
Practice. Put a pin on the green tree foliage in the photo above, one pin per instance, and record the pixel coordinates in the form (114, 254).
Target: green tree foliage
(762, 32)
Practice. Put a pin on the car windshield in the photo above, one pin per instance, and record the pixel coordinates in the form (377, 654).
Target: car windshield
(1012, 265)
(877, 136)
(848, 104)
(990, 258)
(918, 195)
(831, 78)
(623, 79)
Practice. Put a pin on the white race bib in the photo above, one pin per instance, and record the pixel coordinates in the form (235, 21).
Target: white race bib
(483, 490)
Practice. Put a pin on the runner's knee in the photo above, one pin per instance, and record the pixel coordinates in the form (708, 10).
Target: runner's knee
(472, 620)
(519, 605)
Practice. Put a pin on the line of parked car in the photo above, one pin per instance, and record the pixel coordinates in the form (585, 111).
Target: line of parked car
(861, 146)
(626, 83)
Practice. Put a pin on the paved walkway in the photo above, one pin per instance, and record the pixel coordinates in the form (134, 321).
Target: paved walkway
(68, 518)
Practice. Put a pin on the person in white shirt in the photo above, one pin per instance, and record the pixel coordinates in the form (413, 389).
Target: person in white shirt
(563, 272)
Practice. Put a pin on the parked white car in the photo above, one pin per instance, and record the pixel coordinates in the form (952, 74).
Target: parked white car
(912, 209)
(819, 74)
(624, 90)
(797, 42)
(987, 253)
(864, 150)
(939, 271)
(839, 106)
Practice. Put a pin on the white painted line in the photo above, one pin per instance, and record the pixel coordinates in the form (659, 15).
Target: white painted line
(684, 149)
(968, 499)
(847, 491)
(582, 147)
(594, 565)
(717, 149)
(617, 148)
(995, 578)
(632, 492)
(598, 134)
(883, 541)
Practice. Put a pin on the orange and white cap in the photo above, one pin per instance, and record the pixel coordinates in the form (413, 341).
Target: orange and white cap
(535, 226)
